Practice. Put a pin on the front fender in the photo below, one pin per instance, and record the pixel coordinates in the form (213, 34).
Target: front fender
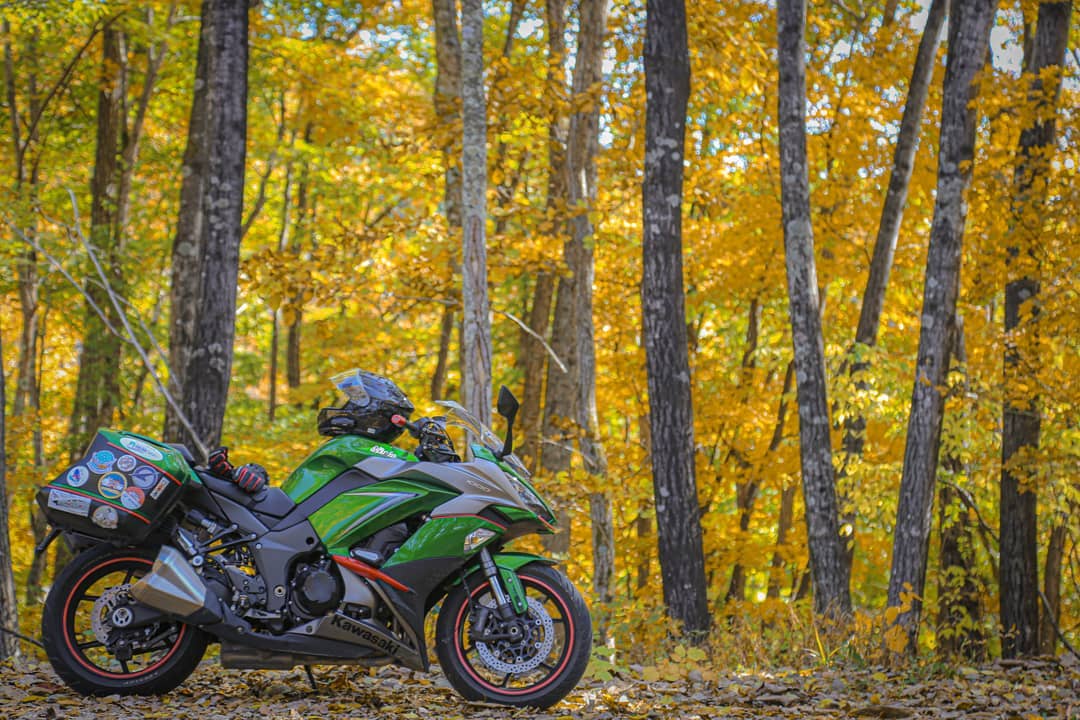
(508, 565)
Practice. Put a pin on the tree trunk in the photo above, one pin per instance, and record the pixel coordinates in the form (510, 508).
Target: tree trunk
(98, 385)
(746, 490)
(968, 43)
(1051, 615)
(476, 331)
(446, 336)
(583, 141)
(828, 555)
(220, 140)
(678, 521)
(892, 212)
(960, 587)
(9, 602)
(1019, 527)
(784, 524)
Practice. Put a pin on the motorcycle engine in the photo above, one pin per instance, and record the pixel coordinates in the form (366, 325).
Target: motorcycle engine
(315, 589)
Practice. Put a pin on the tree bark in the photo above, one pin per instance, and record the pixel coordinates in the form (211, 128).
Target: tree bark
(583, 142)
(476, 331)
(968, 43)
(1051, 615)
(220, 141)
(678, 521)
(9, 602)
(1021, 420)
(960, 587)
(828, 555)
(892, 212)
(98, 386)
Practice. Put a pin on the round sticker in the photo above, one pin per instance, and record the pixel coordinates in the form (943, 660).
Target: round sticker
(132, 498)
(101, 462)
(144, 476)
(126, 463)
(142, 449)
(111, 485)
(77, 476)
(105, 517)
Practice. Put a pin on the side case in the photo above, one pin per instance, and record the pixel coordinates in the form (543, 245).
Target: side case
(119, 490)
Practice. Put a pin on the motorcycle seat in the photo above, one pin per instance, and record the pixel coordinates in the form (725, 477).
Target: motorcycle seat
(270, 501)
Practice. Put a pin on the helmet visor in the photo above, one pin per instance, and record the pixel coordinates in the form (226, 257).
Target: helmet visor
(352, 385)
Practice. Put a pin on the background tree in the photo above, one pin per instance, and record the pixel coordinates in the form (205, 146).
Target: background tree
(828, 557)
(476, 333)
(678, 524)
(207, 246)
(1021, 421)
(969, 33)
(9, 600)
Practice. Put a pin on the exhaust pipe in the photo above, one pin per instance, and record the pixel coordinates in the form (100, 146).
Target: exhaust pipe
(173, 587)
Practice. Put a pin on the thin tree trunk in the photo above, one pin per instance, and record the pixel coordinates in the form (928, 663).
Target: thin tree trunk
(9, 602)
(1051, 616)
(476, 331)
(446, 336)
(534, 360)
(959, 626)
(828, 556)
(206, 373)
(892, 213)
(643, 526)
(447, 98)
(968, 43)
(784, 524)
(1019, 579)
(678, 521)
(583, 142)
(98, 384)
(745, 491)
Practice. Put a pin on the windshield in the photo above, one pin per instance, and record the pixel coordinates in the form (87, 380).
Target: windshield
(458, 416)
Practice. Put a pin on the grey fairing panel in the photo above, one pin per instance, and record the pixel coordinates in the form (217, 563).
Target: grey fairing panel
(481, 483)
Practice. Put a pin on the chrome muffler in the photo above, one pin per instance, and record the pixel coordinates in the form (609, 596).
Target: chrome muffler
(174, 588)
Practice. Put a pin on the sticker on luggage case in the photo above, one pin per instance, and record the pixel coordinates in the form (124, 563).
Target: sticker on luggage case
(159, 488)
(101, 462)
(132, 498)
(106, 517)
(126, 463)
(142, 449)
(77, 476)
(111, 485)
(69, 502)
(144, 476)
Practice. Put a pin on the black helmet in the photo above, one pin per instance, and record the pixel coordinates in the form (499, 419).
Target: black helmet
(371, 401)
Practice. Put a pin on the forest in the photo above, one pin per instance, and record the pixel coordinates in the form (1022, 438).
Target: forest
(787, 291)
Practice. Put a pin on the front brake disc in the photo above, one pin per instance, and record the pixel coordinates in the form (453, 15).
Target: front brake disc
(531, 651)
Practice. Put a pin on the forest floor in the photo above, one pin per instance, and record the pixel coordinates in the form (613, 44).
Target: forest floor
(1037, 689)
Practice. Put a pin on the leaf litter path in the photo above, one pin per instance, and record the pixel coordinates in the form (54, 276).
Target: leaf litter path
(30, 689)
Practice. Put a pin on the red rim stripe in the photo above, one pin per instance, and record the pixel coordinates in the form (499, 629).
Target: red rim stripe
(567, 651)
(78, 654)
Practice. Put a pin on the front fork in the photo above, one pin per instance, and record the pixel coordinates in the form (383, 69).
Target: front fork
(505, 586)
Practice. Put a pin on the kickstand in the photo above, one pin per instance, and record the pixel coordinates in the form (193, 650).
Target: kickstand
(310, 677)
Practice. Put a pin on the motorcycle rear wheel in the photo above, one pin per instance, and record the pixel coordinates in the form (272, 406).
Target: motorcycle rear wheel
(539, 669)
(77, 654)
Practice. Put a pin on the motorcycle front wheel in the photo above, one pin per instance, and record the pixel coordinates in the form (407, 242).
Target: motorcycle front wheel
(533, 660)
(81, 643)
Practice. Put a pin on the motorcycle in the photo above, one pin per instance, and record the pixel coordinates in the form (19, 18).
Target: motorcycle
(338, 566)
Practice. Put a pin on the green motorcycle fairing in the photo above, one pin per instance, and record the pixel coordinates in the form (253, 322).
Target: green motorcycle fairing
(332, 458)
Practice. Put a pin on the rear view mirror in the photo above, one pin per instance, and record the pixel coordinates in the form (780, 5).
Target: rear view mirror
(507, 406)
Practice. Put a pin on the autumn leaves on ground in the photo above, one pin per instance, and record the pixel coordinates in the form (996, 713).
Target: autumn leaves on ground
(788, 293)
(1016, 690)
